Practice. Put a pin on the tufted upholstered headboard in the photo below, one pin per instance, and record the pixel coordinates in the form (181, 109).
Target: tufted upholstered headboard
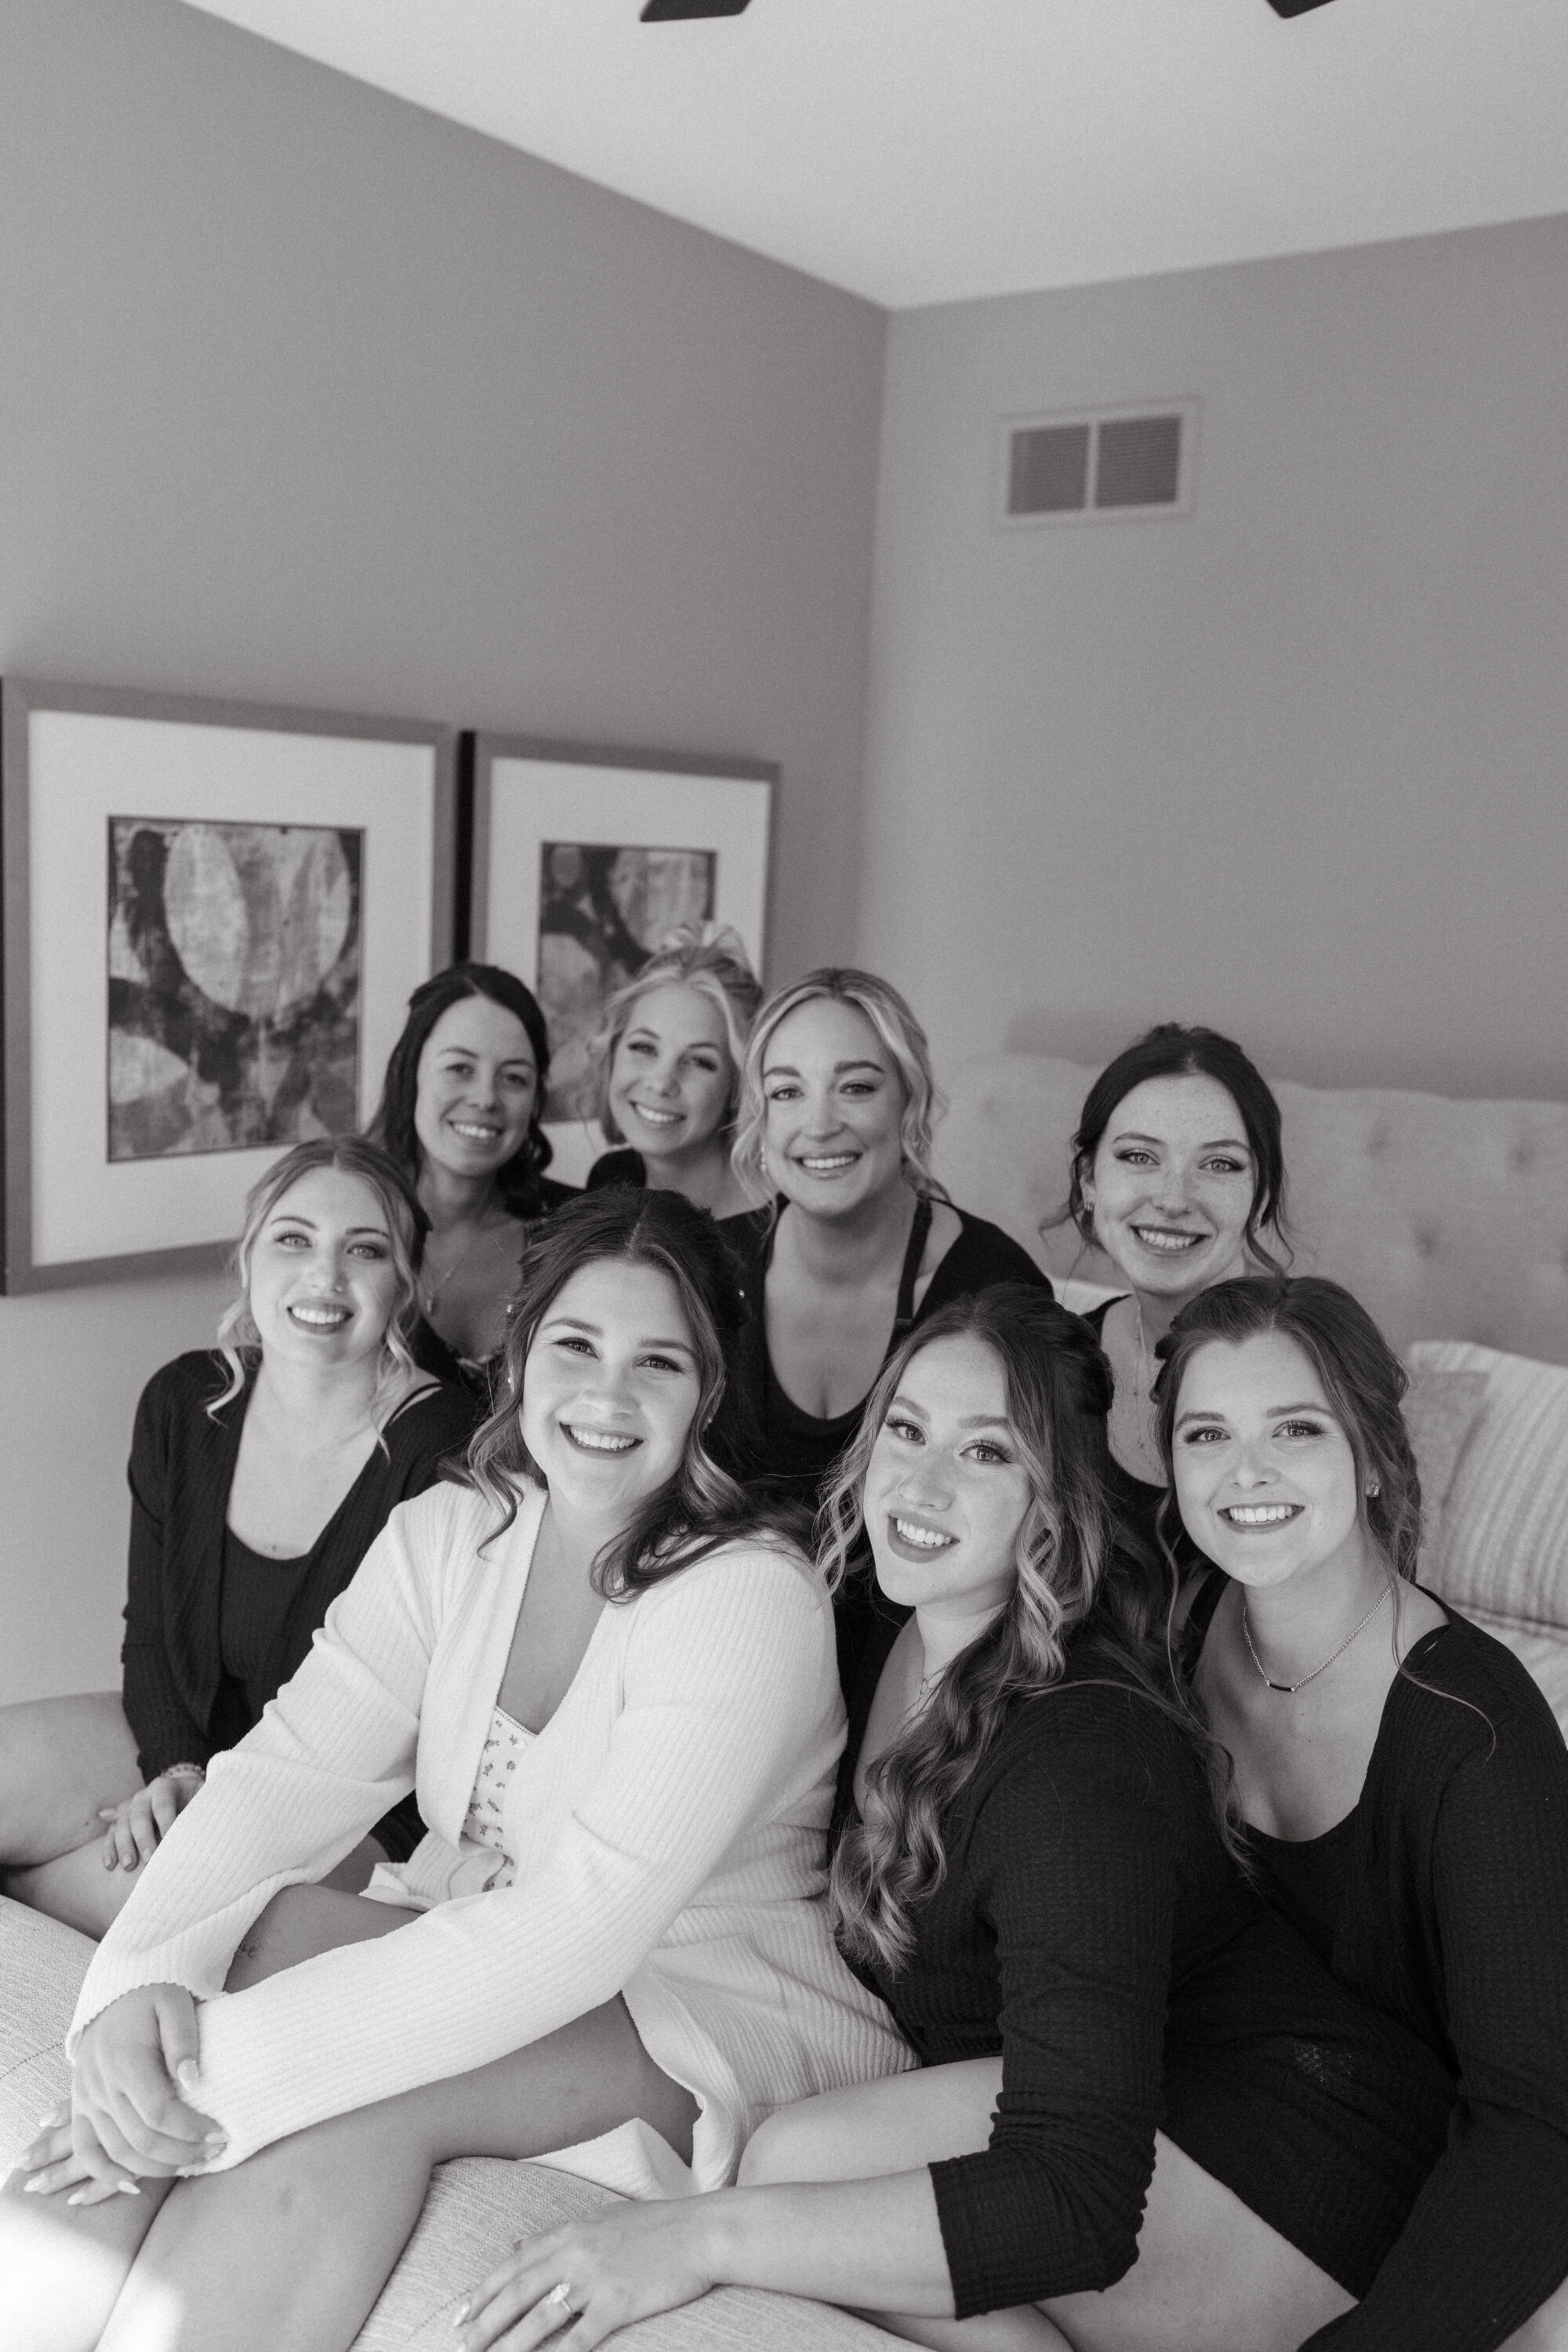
(1448, 1220)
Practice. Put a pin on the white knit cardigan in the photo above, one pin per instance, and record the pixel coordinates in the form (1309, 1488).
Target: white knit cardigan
(667, 1825)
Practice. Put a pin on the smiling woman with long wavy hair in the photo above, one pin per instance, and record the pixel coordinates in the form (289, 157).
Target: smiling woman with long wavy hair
(611, 1679)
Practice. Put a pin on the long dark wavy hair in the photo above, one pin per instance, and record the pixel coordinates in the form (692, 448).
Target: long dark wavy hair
(1076, 1586)
(1169, 1050)
(699, 1506)
(517, 1185)
(1361, 1378)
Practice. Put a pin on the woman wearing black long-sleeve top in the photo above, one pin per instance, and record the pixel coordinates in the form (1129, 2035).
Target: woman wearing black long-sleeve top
(1404, 1782)
(1031, 1871)
(260, 1473)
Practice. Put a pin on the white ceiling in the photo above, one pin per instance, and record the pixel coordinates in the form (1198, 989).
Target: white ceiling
(926, 150)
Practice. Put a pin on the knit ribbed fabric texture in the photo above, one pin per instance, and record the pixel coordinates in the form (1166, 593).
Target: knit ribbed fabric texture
(1454, 1920)
(181, 1470)
(667, 1825)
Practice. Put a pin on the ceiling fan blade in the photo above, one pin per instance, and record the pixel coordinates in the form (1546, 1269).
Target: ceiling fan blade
(668, 12)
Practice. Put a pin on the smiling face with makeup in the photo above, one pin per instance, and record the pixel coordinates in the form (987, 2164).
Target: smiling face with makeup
(610, 1388)
(321, 1282)
(946, 1492)
(1265, 1472)
(1171, 1187)
(834, 1103)
(475, 1089)
(673, 1081)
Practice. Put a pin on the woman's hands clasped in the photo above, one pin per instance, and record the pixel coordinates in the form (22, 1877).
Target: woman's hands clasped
(592, 2278)
(136, 1826)
(128, 2120)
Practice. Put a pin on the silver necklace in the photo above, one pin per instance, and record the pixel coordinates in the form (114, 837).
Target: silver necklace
(1345, 1645)
(432, 1291)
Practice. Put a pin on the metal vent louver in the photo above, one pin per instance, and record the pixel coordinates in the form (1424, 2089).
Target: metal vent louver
(1122, 462)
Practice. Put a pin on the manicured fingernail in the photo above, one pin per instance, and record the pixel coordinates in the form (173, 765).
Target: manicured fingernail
(78, 2197)
(33, 2187)
(214, 2143)
(185, 2074)
(108, 1862)
(461, 2313)
(129, 2187)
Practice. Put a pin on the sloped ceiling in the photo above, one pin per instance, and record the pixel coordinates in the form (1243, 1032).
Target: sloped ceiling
(926, 150)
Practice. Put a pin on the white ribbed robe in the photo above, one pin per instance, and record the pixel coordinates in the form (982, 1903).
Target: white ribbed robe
(667, 1825)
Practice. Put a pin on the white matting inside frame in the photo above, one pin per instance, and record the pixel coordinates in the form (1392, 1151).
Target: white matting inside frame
(84, 769)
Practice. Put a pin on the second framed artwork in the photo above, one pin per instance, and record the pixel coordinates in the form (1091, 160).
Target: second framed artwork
(584, 860)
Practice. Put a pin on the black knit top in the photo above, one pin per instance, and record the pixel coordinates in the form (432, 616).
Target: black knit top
(1085, 1880)
(179, 1703)
(621, 1167)
(777, 1439)
(1442, 1898)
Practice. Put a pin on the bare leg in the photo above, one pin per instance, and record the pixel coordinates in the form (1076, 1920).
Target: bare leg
(890, 2125)
(1208, 2272)
(64, 2266)
(294, 2246)
(1548, 2331)
(61, 1760)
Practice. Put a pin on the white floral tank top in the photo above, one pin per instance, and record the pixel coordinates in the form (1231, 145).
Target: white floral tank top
(503, 1751)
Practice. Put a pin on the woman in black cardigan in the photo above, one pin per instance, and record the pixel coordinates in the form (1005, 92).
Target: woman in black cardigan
(259, 1477)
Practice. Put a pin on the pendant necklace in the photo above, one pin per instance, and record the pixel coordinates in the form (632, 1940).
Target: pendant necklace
(1345, 1645)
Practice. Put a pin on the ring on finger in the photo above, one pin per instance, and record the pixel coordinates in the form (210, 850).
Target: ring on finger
(560, 2299)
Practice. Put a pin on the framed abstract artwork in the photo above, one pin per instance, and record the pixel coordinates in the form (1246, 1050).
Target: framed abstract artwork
(213, 915)
(584, 859)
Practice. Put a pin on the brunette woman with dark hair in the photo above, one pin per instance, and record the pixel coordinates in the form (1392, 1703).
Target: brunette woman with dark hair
(1404, 1783)
(611, 1678)
(460, 1110)
(1031, 1870)
(1178, 1175)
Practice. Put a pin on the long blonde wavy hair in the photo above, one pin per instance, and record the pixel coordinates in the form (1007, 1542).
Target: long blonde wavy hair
(239, 1341)
(908, 1048)
(1073, 1585)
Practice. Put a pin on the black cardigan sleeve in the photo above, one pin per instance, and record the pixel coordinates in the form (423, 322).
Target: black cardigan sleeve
(162, 1725)
(1074, 1856)
(1487, 2241)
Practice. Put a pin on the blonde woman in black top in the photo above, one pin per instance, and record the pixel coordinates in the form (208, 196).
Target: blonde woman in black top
(259, 1473)
(670, 1049)
(1031, 1872)
(859, 1240)
(1404, 1784)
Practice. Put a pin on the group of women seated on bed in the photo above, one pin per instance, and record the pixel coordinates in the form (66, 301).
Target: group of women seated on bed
(965, 1811)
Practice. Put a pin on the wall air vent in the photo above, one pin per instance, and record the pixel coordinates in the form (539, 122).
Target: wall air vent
(1117, 463)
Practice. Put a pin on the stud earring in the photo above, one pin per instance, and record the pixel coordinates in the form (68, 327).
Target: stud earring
(1374, 1486)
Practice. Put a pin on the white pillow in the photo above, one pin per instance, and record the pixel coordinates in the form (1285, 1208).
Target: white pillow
(1501, 1545)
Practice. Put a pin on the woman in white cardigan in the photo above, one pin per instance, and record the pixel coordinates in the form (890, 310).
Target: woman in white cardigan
(613, 1687)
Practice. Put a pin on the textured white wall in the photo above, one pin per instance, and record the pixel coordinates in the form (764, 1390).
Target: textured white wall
(309, 396)
(1296, 766)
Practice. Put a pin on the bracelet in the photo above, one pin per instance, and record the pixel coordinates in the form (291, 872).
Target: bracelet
(183, 1772)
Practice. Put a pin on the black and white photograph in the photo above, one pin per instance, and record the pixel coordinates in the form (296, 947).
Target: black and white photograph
(783, 1176)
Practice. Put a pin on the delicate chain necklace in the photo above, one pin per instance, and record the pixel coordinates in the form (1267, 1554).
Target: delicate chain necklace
(1143, 1428)
(1345, 1645)
(432, 1291)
